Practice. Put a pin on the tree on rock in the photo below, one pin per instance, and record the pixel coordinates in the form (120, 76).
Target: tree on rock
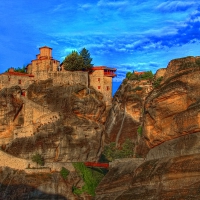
(73, 62)
(87, 59)
(38, 159)
(76, 61)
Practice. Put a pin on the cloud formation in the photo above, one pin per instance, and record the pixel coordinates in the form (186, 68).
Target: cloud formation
(174, 6)
(115, 4)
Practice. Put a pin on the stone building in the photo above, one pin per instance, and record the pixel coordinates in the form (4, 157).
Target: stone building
(45, 67)
(12, 78)
(43, 62)
(101, 79)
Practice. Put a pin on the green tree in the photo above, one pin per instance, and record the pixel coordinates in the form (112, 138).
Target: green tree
(128, 75)
(38, 159)
(73, 62)
(87, 59)
(64, 172)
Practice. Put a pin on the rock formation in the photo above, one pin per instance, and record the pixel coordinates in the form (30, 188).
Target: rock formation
(171, 132)
(61, 123)
(126, 113)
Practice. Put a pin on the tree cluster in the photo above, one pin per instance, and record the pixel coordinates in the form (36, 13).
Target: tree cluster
(78, 61)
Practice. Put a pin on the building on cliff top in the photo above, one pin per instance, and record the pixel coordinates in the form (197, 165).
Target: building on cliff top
(101, 79)
(43, 62)
(44, 67)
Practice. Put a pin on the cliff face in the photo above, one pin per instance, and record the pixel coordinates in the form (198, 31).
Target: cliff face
(62, 123)
(166, 178)
(126, 113)
(173, 110)
(170, 130)
(20, 185)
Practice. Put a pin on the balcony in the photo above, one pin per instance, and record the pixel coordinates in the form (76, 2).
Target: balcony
(110, 74)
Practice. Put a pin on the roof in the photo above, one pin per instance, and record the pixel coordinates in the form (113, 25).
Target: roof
(45, 47)
(103, 67)
(139, 73)
(17, 74)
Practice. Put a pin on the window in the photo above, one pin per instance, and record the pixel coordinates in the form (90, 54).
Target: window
(99, 79)
(99, 87)
(107, 87)
(19, 81)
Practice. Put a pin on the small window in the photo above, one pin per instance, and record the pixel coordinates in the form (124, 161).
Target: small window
(107, 87)
(99, 79)
(19, 81)
(99, 87)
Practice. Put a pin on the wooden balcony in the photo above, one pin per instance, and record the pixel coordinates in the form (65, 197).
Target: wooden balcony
(110, 74)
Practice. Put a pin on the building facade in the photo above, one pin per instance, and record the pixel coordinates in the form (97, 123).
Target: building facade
(45, 67)
(43, 62)
(101, 79)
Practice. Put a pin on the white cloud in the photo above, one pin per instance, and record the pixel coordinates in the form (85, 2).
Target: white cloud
(54, 42)
(104, 3)
(173, 6)
(85, 6)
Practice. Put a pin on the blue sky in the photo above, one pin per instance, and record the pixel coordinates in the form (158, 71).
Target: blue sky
(126, 34)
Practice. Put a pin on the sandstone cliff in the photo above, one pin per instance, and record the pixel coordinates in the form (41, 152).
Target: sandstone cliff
(62, 123)
(126, 113)
(170, 130)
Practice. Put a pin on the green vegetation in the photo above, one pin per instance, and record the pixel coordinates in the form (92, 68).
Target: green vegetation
(139, 131)
(156, 82)
(148, 75)
(64, 172)
(90, 177)
(19, 69)
(76, 61)
(111, 152)
(86, 58)
(38, 159)
(138, 88)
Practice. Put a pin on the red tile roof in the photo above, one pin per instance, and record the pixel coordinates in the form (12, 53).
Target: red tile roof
(18, 74)
(103, 67)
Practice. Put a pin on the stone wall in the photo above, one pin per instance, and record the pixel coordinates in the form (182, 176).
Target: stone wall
(7, 160)
(37, 170)
(125, 161)
(64, 77)
(10, 80)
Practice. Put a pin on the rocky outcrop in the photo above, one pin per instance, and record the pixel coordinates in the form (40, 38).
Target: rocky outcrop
(173, 109)
(126, 113)
(170, 130)
(62, 123)
(16, 184)
(166, 178)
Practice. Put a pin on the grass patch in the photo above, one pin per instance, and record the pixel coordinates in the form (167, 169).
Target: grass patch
(64, 172)
(139, 131)
(90, 177)
(111, 152)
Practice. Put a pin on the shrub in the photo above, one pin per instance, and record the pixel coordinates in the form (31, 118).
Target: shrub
(64, 172)
(148, 75)
(90, 177)
(138, 88)
(111, 152)
(157, 82)
(38, 159)
(128, 75)
(139, 130)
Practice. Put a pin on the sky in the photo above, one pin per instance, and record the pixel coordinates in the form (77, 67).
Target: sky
(125, 34)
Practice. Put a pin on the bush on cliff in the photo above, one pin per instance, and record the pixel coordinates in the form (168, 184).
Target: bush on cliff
(90, 177)
(111, 152)
(148, 75)
(156, 82)
(38, 159)
(64, 172)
